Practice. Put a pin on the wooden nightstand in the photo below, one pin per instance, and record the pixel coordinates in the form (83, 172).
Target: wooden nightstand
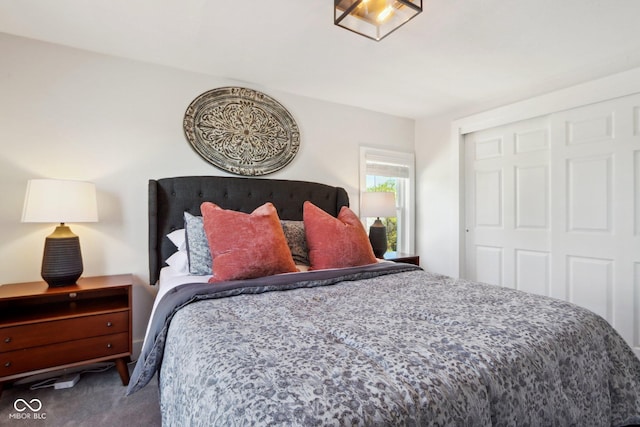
(402, 257)
(44, 329)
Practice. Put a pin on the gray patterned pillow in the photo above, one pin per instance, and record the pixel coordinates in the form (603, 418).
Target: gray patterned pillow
(200, 261)
(294, 233)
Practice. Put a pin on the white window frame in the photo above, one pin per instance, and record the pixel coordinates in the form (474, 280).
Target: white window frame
(406, 210)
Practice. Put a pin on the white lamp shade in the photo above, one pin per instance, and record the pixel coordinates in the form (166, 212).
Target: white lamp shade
(60, 201)
(378, 204)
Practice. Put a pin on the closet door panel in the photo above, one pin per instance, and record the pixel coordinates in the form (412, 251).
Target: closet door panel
(552, 206)
(507, 206)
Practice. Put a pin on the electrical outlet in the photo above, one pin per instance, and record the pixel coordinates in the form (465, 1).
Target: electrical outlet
(67, 381)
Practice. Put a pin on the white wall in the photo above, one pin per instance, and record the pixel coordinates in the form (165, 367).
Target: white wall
(439, 220)
(66, 113)
(436, 196)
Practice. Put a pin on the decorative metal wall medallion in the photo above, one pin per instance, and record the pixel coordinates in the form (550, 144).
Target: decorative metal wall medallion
(242, 131)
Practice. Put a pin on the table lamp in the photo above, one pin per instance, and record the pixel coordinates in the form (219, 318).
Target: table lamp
(60, 201)
(378, 204)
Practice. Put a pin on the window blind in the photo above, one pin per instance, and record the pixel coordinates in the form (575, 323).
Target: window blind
(388, 170)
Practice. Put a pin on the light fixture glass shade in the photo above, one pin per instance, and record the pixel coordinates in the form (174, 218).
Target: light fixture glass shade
(378, 204)
(60, 201)
(374, 19)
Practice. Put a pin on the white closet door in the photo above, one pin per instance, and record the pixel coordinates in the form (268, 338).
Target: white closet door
(596, 241)
(553, 207)
(507, 206)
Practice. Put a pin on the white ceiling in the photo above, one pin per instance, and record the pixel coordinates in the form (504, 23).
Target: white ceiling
(457, 57)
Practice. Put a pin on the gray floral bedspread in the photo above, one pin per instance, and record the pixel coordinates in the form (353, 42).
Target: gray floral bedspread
(403, 349)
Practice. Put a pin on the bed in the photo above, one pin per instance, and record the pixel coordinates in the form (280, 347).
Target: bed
(381, 343)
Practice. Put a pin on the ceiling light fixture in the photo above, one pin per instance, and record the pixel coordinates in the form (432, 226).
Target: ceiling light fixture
(374, 19)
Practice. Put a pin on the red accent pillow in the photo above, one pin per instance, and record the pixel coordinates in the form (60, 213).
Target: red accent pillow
(335, 242)
(245, 246)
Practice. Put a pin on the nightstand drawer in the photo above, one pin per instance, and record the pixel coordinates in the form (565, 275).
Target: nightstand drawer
(31, 359)
(57, 331)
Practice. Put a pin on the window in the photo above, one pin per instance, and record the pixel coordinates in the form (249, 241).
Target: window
(388, 170)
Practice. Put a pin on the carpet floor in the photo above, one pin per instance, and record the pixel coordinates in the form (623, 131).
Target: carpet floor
(97, 400)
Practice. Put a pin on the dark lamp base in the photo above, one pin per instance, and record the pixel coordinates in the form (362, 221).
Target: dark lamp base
(62, 259)
(378, 238)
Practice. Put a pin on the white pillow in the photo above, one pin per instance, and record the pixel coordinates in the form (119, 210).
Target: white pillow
(179, 262)
(178, 238)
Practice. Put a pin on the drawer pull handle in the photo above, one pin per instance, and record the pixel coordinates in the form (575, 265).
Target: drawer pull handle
(7, 364)
(109, 345)
(7, 340)
(109, 324)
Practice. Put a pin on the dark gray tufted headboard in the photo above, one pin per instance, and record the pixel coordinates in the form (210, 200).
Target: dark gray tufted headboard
(169, 198)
